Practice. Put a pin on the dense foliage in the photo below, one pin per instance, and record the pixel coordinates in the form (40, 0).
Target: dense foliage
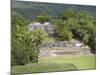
(25, 44)
(69, 24)
(79, 25)
(44, 17)
(30, 10)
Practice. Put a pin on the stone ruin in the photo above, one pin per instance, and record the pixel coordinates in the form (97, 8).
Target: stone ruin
(54, 44)
(47, 27)
(64, 44)
(60, 48)
(53, 52)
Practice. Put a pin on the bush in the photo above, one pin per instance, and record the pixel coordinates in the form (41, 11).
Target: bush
(25, 44)
(44, 17)
(79, 25)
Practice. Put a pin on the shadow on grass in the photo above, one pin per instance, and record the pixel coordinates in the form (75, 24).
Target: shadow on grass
(42, 68)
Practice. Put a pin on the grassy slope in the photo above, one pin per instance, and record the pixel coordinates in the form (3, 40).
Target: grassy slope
(81, 62)
(65, 63)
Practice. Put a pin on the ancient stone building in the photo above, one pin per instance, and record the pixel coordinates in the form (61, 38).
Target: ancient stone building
(47, 27)
(58, 48)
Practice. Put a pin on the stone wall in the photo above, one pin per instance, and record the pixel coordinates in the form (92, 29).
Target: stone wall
(65, 44)
(60, 48)
(53, 52)
(47, 27)
(54, 44)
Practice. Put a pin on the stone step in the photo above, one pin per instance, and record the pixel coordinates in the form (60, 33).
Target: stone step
(59, 48)
(47, 53)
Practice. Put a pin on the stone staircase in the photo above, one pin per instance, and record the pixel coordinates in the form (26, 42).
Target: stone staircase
(58, 51)
(64, 48)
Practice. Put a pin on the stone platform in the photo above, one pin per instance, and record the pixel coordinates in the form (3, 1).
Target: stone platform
(58, 51)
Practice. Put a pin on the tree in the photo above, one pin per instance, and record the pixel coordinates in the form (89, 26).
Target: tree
(44, 17)
(25, 46)
(67, 14)
(24, 43)
(63, 29)
(81, 25)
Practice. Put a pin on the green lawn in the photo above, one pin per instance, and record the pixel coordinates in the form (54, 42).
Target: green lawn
(64, 63)
(81, 62)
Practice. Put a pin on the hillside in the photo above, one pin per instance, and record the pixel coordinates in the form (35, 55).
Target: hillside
(29, 10)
